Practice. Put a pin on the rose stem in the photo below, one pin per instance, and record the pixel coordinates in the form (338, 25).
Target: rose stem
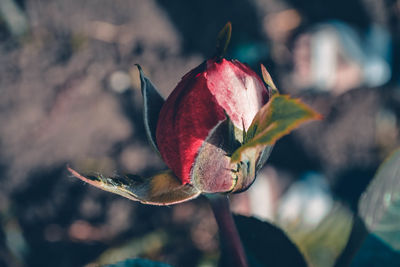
(229, 234)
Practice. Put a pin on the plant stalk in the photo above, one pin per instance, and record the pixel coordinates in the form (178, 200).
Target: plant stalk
(229, 235)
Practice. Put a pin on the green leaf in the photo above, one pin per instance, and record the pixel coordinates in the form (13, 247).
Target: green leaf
(266, 245)
(277, 118)
(138, 263)
(322, 245)
(375, 252)
(357, 237)
(152, 103)
(162, 189)
(223, 39)
(379, 206)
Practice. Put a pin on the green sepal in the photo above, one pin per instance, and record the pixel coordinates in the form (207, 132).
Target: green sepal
(235, 136)
(223, 39)
(161, 189)
(265, 153)
(152, 104)
(379, 206)
(277, 118)
(272, 90)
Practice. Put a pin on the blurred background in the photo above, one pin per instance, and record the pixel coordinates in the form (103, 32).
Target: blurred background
(70, 95)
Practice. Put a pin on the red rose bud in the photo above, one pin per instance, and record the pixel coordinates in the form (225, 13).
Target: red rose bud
(215, 131)
(187, 134)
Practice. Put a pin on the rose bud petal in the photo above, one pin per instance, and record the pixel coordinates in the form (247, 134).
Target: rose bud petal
(190, 133)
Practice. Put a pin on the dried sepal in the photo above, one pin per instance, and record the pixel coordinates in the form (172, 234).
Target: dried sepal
(161, 189)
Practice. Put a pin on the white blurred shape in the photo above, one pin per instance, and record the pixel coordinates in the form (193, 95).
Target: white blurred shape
(306, 203)
(261, 196)
(324, 46)
(376, 71)
(120, 81)
(14, 17)
(339, 57)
